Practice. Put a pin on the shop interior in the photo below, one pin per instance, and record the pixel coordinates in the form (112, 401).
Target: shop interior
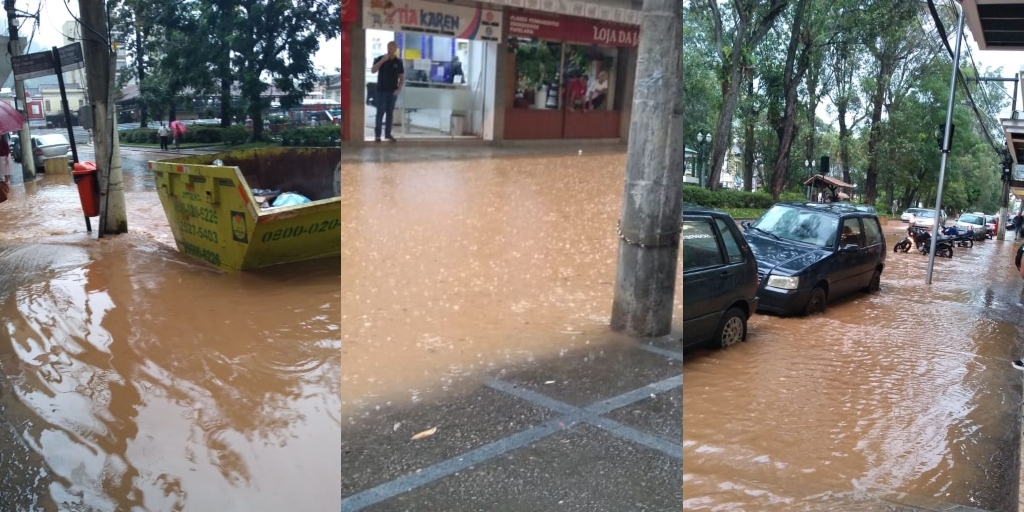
(552, 75)
(446, 85)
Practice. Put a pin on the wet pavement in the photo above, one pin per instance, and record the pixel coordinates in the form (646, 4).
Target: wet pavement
(475, 297)
(906, 397)
(132, 378)
(477, 285)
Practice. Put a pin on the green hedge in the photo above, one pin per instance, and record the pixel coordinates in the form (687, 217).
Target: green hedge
(320, 136)
(730, 198)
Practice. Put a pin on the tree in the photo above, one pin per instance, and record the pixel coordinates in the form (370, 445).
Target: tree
(750, 24)
(142, 22)
(272, 44)
(797, 62)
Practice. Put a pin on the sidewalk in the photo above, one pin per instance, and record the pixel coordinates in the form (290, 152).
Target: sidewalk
(575, 433)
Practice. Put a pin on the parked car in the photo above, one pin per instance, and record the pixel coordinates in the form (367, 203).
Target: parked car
(972, 221)
(43, 146)
(926, 219)
(861, 207)
(992, 224)
(719, 279)
(909, 213)
(811, 253)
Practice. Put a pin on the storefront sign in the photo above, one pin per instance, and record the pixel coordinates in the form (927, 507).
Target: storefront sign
(424, 17)
(580, 8)
(574, 30)
(349, 11)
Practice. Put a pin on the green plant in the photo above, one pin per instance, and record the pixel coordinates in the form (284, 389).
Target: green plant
(536, 64)
(320, 136)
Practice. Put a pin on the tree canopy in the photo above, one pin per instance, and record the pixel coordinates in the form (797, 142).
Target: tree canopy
(865, 82)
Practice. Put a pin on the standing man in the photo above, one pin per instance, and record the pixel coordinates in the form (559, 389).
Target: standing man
(390, 79)
(163, 132)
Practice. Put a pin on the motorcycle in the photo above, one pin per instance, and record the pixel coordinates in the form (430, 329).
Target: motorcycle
(920, 238)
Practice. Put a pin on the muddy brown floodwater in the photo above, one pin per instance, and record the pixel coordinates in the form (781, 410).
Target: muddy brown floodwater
(455, 267)
(907, 396)
(135, 379)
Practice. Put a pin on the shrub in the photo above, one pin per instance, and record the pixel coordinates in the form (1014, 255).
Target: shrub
(320, 136)
(234, 135)
(140, 136)
(726, 198)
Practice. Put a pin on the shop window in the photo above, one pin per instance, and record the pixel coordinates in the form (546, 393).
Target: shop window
(538, 73)
(590, 75)
(48, 109)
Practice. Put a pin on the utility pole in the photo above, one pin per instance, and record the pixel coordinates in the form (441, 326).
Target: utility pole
(99, 52)
(28, 168)
(652, 202)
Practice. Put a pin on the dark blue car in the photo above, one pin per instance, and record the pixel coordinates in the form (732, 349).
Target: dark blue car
(811, 253)
(719, 279)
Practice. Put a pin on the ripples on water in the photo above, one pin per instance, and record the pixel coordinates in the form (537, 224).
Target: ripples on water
(135, 378)
(452, 268)
(905, 393)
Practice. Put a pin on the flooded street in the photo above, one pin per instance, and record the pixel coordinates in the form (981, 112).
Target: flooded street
(135, 379)
(904, 395)
(454, 267)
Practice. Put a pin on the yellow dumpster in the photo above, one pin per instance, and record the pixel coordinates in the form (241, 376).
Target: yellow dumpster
(55, 165)
(216, 217)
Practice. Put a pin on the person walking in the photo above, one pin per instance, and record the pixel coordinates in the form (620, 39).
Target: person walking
(163, 133)
(390, 78)
(5, 159)
(1018, 222)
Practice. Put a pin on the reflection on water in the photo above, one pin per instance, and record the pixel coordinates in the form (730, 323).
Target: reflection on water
(454, 267)
(134, 379)
(908, 393)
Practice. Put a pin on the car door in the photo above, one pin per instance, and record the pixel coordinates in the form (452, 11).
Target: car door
(704, 274)
(874, 249)
(849, 261)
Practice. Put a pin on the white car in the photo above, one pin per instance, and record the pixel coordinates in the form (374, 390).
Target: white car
(909, 213)
(926, 219)
(972, 221)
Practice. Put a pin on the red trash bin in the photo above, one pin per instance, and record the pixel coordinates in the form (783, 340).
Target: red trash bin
(88, 187)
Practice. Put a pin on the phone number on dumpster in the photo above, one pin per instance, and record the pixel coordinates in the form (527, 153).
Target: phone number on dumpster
(206, 234)
(198, 252)
(190, 210)
(292, 232)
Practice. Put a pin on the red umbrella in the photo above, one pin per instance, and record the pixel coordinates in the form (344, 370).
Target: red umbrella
(10, 119)
(178, 127)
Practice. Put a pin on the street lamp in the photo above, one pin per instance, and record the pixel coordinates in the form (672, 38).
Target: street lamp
(809, 168)
(703, 139)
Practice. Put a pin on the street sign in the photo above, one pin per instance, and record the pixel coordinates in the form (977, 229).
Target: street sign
(32, 65)
(71, 57)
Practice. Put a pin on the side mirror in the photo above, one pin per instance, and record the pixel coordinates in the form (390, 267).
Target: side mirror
(849, 248)
(745, 224)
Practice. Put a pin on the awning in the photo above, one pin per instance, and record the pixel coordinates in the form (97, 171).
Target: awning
(820, 180)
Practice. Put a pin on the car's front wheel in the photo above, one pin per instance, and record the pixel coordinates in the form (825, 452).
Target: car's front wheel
(732, 329)
(816, 303)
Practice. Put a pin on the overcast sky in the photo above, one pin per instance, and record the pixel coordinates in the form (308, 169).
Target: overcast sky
(55, 12)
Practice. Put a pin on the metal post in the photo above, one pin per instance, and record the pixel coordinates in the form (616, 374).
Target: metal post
(947, 133)
(64, 102)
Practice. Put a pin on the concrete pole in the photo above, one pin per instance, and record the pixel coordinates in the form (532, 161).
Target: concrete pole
(649, 232)
(100, 64)
(28, 167)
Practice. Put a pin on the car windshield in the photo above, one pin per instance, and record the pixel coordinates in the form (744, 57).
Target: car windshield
(928, 214)
(971, 219)
(52, 139)
(809, 227)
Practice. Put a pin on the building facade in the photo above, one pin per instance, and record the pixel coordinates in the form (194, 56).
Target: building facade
(494, 70)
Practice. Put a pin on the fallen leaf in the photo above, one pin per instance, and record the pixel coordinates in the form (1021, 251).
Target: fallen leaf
(425, 433)
(550, 382)
(397, 425)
